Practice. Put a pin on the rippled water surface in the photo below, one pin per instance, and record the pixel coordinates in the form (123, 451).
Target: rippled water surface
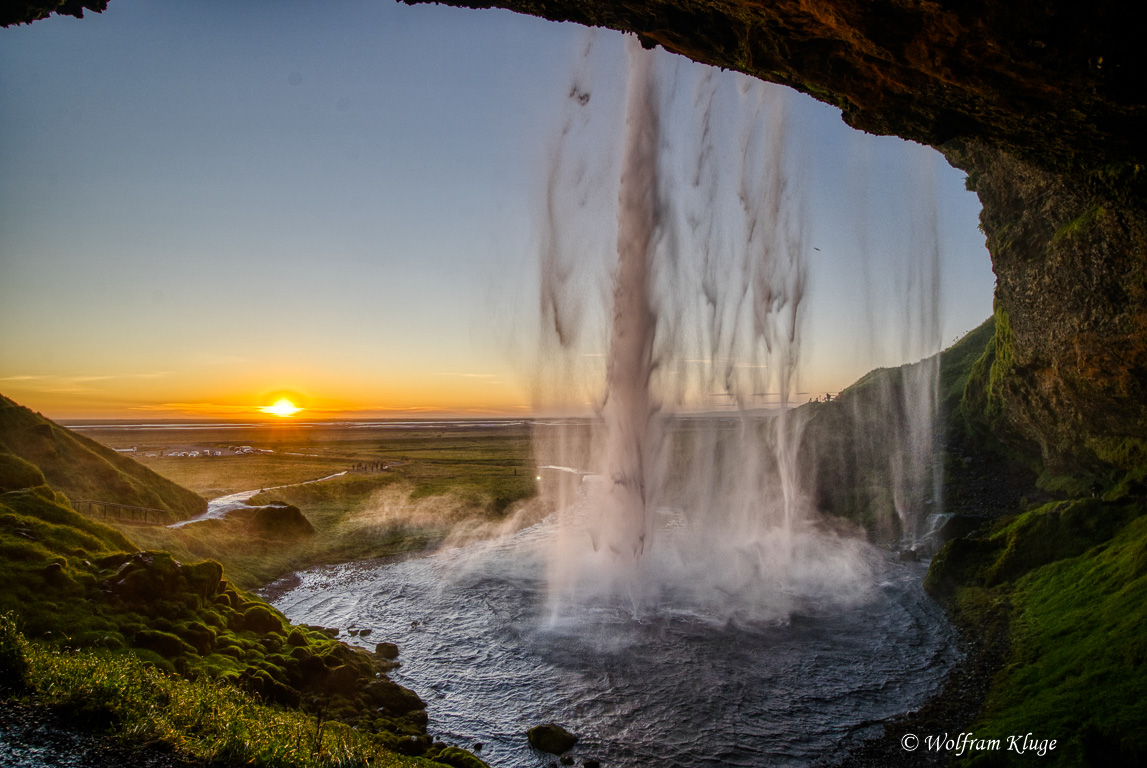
(663, 685)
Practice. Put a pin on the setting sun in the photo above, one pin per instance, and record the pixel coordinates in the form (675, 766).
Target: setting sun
(282, 407)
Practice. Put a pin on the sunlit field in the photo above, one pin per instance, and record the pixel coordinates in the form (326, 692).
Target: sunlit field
(381, 491)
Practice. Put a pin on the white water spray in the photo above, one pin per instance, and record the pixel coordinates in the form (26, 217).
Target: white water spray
(690, 494)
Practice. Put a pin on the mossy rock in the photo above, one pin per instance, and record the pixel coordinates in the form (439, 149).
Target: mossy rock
(204, 578)
(258, 681)
(343, 680)
(17, 474)
(281, 522)
(198, 636)
(551, 738)
(393, 698)
(458, 758)
(164, 643)
(259, 618)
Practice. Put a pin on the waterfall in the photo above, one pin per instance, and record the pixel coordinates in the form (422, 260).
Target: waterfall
(675, 271)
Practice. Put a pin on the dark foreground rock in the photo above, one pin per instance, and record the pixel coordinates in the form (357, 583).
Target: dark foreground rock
(551, 738)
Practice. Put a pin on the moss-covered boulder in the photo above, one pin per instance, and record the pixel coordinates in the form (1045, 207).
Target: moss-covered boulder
(17, 474)
(262, 619)
(393, 698)
(280, 521)
(458, 758)
(551, 738)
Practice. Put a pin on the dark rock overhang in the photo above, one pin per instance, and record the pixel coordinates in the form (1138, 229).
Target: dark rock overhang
(1060, 82)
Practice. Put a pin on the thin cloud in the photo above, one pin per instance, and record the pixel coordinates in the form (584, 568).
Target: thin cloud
(195, 407)
(223, 359)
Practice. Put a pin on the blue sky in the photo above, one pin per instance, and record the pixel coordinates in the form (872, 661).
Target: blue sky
(203, 203)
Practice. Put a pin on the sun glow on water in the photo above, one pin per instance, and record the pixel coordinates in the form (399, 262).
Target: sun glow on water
(282, 407)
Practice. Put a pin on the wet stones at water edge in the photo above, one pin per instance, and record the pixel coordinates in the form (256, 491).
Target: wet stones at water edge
(387, 651)
(551, 738)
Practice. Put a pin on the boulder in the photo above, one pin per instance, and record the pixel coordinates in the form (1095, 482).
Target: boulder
(392, 697)
(203, 578)
(283, 522)
(343, 679)
(458, 758)
(551, 738)
(259, 618)
(388, 651)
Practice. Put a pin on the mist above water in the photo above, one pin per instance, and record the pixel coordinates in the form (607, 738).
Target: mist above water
(681, 251)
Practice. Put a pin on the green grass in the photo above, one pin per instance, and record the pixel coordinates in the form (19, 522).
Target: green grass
(203, 718)
(957, 362)
(224, 475)
(1068, 580)
(82, 468)
(356, 516)
(77, 584)
(440, 483)
(1079, 654)
(984, 396)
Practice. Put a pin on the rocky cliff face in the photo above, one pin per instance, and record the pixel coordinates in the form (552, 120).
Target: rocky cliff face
(1070, 254)
(27, 11)
(1042, 104)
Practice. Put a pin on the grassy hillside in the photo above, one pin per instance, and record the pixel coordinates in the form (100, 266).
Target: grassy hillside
(197, 719)
(84, 469)
(1058, 585)
(854, 446)
(1066, 580)
(72, 583)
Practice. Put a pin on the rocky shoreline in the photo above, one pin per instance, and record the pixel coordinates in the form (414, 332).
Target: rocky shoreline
(950, 710)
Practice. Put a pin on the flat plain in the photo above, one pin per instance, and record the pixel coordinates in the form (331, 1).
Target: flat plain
(398, 487)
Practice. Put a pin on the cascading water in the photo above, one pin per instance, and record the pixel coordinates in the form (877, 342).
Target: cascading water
(622, 524)
(891, 413)
(685, 605)
(696, 442)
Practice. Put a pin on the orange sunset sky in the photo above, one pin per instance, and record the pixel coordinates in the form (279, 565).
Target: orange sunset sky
(205, 208)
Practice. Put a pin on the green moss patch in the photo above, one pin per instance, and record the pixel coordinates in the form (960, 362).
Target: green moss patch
(73, 583)
(202, 719)
(1068, 579)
